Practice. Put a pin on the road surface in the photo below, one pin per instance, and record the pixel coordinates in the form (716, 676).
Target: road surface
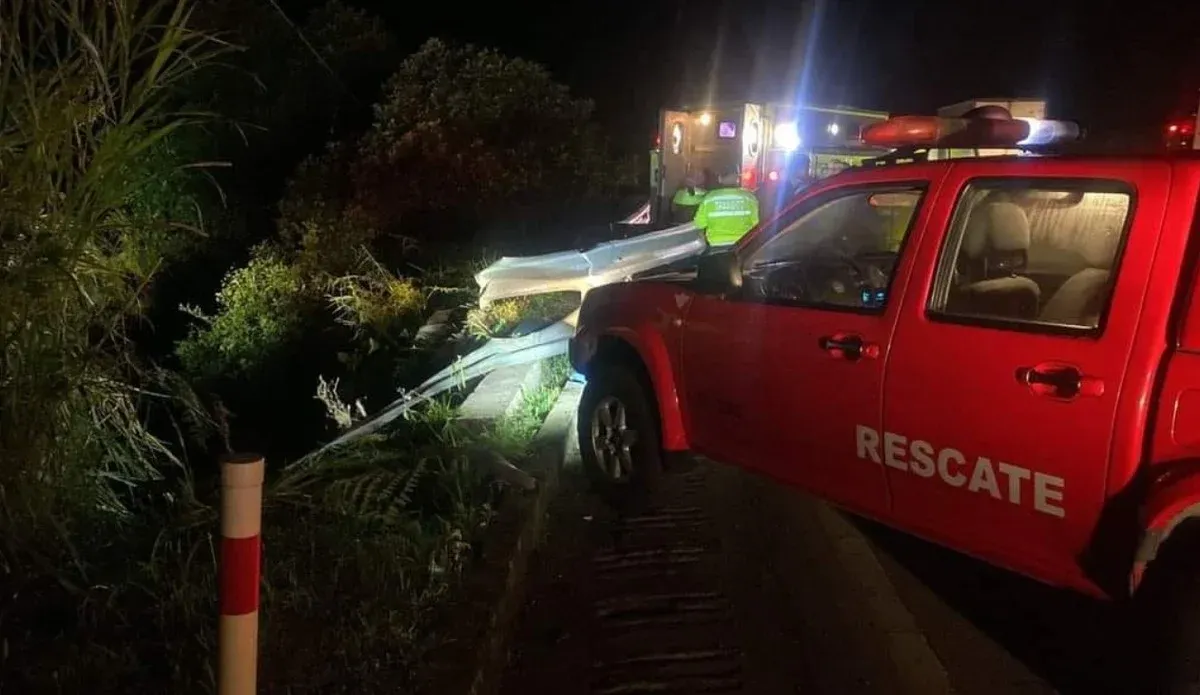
(727, 583)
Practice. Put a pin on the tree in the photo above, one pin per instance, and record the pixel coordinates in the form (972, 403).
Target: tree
(471, 129)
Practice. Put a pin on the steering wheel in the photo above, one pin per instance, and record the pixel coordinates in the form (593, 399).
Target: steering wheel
(810, 279)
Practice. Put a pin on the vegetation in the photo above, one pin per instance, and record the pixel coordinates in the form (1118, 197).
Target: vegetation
(501, 318)
(188, 265)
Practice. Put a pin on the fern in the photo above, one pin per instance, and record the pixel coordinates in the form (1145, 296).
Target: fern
(414, 476)
(380, 496)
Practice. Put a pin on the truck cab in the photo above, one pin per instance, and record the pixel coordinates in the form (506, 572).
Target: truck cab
(1000, 355)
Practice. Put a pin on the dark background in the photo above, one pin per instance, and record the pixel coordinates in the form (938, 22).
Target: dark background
(1118, 66)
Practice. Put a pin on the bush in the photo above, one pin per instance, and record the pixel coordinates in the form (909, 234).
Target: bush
(502, 317)
(261, 308)
(377, 303)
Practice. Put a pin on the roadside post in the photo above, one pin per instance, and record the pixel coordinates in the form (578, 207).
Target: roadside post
(241, 557)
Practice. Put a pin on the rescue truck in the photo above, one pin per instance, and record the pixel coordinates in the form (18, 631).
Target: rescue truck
(1014, 375)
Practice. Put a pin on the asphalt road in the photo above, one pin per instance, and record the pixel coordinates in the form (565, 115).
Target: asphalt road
(991, 626)
(727, 583)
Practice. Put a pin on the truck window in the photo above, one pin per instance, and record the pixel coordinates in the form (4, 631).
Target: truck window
(1034, 254)
(839, 254)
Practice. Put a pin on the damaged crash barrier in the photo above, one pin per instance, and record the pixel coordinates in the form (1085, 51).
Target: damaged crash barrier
(511, 277)
(580, 271)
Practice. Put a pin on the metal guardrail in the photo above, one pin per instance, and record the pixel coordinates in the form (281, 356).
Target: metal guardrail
(579, 271)
(494, 354)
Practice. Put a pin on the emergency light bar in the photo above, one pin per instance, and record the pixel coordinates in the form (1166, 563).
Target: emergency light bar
(984, 127)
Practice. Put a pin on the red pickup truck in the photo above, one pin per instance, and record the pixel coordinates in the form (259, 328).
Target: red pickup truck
(1000, 355)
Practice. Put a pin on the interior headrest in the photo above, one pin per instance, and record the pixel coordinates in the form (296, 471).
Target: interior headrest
(1100, 251)
(996, 226)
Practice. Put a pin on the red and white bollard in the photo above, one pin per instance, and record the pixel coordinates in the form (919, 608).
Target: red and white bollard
(241, 557)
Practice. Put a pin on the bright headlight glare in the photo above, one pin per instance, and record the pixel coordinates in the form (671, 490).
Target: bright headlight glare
(787, 136)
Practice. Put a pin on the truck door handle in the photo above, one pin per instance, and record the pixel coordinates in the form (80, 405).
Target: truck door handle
(1059, 381)
(848, 346)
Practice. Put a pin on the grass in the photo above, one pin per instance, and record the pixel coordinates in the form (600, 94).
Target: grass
(361, 545)
(511, 435)
(105, 550)
(366, 541)
(502, 317)
(109, 547)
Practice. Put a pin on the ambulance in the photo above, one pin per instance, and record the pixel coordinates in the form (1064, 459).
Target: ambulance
(766, 141)
(760, 140)
(1183, 133)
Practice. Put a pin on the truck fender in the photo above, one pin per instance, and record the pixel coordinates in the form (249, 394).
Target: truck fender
(648, 346)
(1171, 501)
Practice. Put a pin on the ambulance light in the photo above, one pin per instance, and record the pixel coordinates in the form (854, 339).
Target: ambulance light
(750, 178)
(979, 132)
(787, 136)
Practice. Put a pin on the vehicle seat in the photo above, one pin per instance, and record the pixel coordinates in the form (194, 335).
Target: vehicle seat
(1080, 300)
(996, 246)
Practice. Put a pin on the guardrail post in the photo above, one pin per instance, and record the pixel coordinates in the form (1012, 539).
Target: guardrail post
(241, 557)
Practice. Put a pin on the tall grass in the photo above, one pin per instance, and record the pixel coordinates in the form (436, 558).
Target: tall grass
(88, 90)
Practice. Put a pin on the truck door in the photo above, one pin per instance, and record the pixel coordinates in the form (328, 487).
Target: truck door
(717, 358)
(1010, 355)
(779, 374)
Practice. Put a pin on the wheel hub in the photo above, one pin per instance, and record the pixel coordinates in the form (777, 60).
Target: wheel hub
(612, 438)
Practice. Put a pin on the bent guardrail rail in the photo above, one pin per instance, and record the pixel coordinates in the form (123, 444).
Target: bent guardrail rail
(573, 271)
(497, 352)
(580, 271)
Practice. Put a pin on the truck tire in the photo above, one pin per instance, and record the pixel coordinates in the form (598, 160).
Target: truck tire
(619, 433)
(1168, 611)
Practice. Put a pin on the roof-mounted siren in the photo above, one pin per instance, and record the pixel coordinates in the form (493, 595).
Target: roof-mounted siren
(990, 127)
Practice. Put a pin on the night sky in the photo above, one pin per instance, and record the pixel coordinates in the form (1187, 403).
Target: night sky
(1121, 66)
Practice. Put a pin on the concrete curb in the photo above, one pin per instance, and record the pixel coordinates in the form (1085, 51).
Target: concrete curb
(499, 393)
(917, 668)
(485, 615)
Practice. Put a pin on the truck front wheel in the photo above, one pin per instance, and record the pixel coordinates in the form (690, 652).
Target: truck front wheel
(1168, 608)
(618, 433)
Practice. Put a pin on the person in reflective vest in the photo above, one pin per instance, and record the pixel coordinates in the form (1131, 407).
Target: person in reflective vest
(686, 200)
(727, 213)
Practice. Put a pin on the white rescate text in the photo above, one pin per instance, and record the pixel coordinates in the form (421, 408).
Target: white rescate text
(997, 479)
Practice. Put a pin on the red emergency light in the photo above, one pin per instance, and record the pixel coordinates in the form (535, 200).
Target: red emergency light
(1179, 133)
(985, 127)
(750, 178)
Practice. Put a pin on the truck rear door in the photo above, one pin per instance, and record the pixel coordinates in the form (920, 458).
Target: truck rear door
(1010, 356)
